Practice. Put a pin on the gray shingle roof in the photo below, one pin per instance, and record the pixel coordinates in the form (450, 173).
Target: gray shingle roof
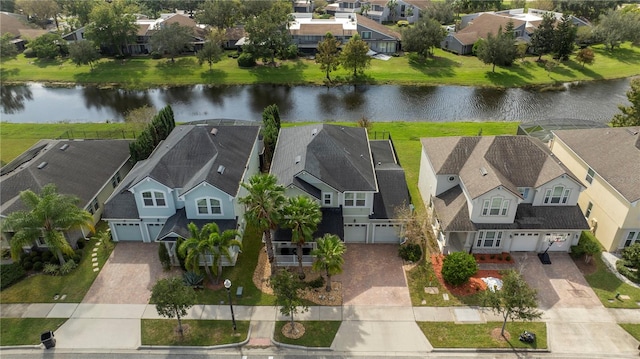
(338, 156)
(177, 224)
(613, 153)
(82, 169)
(393, 191)
(332, 223)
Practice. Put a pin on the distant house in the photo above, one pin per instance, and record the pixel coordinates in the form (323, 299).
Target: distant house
(87, 169)
(19, 28)
(303, 6)
(379, 11)
(307, 32)
(607, 161)
(147, 27)
(357, 182)
(499, 194)
(194, 175)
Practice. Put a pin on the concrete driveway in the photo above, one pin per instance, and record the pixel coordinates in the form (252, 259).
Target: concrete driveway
(128, 275)
(373, 275)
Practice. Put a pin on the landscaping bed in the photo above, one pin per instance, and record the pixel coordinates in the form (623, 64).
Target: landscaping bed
(196, 332)
(316, 333)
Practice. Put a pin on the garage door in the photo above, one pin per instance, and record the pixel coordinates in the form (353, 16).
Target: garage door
(385, 233)
(127, 232)
(524, 242)
(355, 233)
(154, 230)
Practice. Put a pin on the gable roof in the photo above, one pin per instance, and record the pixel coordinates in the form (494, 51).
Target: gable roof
(484, 163)
(375, 26)
(613, 153)
(17, 25)
(81, 169)
(393, 190)
(338, 156)
(483, 25)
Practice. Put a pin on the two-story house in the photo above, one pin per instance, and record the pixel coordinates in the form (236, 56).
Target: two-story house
(499, 194)
(194, 175)
(382, 10)
(607, 161)
(357, 182)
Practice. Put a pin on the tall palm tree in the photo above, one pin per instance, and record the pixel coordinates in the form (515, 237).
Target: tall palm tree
(208, 241)
(302, 215)
(329, 256)
(49, 215)
(263, 205)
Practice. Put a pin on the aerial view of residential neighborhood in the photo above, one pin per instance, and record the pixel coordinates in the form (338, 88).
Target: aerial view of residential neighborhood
(319, 178)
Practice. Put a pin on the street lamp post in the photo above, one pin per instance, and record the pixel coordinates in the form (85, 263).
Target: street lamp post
(227, 284)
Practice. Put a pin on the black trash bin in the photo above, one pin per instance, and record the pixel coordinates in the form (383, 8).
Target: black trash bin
(48, 340)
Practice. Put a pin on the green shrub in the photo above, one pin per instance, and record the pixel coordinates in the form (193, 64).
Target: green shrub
(27, 265)
(10, 274)
(156, 55)
(163, 254)
(499, 257)
(587, 245)
(192, 279)
(69, 266)
(632, 254)
(508, 258)
(246, 60)
(34, 254)
(316, 283)
(37, 266)
(291, 52)
(80, 243)
(458, 267)
(46, 256)
(29, 53)
(410, 252)
(623, 268)
(51, 269)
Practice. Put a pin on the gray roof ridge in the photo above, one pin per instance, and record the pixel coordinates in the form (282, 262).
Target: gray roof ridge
(355, 156)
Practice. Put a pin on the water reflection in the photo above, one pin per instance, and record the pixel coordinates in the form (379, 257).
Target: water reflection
(117, 102)
(12, 98)
(261, 96)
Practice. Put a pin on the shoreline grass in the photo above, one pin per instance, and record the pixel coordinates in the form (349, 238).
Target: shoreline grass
(452, 335)
(444, 69)
(26, 331)
(197, 332)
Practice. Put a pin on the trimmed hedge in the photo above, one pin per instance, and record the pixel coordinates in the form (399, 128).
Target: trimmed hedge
(458, 267)
(10, 274)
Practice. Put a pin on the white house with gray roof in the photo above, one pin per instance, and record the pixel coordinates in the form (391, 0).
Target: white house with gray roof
(499, 194)
(607, 162)
(357, 182)
(194, 175)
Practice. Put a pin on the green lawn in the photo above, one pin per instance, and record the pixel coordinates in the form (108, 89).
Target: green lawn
(451, 335)
(445, 68)
(607, 285)
(632, 328)
(41, 288)
(26, 331)
(317, 333)
(197, 332)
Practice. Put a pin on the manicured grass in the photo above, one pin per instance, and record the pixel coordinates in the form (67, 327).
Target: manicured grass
(445, 68)
(197, 333)
(606, 285)
(41, 288)
(451, 335)
(26, 331)
(317, 333)
(632, 328)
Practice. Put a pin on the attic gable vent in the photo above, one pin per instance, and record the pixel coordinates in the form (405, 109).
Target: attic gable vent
(298, 159)
(214, 131)
(42, 165)
(483, 171)
(314, 132)
(221, 169)
(64, 147)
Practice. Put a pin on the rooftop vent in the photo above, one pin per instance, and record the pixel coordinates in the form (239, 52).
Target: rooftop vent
(42, 165)
(483, 171)
(221, 169)
(64, 147)
(298, 159)
(314, 132)
(214, 131)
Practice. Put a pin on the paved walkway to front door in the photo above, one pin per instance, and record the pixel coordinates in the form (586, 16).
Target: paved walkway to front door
(373, 275)
(128, 275)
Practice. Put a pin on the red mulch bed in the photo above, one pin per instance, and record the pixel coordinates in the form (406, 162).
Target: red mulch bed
(497, 258)
(473, 285)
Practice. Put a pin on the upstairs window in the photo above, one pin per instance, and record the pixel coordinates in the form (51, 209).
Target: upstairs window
(352, 199)
(153, 199)
(209, 206)
(115, 180)
(590, 174)
(93, 206)
(524, 192)
(327, 199)
(587, 213)
(496, 206)
(559, 194)
(366, 35)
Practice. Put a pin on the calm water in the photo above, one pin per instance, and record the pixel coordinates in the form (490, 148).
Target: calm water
(35, 102)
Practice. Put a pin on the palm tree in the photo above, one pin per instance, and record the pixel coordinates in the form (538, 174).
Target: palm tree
(263, 205)
(302, 215)
(49, 215)
(208, 241)
(329, 256)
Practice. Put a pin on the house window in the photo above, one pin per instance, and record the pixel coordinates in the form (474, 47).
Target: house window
(496, 206)
(524, 192)
(153, 199)
(352, 199)
(366, 35)
(632, 237)
(559, 194)
(93, 206)
(489, 239)
(587, 213)
(590, 174)
(209, 206)
(327, 199)
(115, 180)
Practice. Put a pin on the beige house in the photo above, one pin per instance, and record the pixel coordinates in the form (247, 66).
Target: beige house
(607, 160)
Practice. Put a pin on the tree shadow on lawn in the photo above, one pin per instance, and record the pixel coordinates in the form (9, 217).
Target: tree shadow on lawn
(42, 63)
(433, 66)
(284, 72)
(212, 76)
(583, 69)
(628, 56)
(181, 67)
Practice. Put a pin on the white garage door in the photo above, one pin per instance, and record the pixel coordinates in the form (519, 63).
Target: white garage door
(385, 233)
(524, 242)
(355, 233)
(154, 230)
(127, 232)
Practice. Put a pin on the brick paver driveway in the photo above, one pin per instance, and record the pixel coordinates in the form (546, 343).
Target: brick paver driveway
(128, 276)
(373, 275)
